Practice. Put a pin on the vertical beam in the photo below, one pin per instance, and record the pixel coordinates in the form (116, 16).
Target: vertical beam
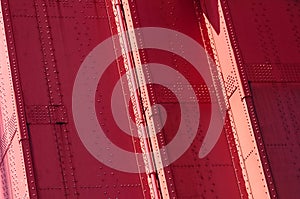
(51, 71)
(244, 131)
(137, 97)
(131, 18)
(15, 141)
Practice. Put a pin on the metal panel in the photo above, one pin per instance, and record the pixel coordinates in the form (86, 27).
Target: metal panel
(255, 46)
(51, 39)
(277, 109)
(265, 39)
(13, 154)
(191, 177)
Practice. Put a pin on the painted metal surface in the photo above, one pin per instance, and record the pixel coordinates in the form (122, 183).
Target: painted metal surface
(265, 40)
(15, 181)
(46, 42)
(201, 180)
(48, 60)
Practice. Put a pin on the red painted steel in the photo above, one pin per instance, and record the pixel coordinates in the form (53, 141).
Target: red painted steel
(51, 41)
(217, 174)
(266, 43)
(136, 99)
(47, 42)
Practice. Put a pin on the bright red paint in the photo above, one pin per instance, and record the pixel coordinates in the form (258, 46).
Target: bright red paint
(47, 42)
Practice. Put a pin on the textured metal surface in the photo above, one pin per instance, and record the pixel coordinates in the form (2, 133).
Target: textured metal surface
(46, 114)
(216, 175)
(13, 153)
(246, 147)
(265, 38)
(276, 107)
(273, 72)
(48, 60)
(255, 46)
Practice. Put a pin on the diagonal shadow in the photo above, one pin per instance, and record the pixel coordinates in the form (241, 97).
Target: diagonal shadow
(210, 9)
